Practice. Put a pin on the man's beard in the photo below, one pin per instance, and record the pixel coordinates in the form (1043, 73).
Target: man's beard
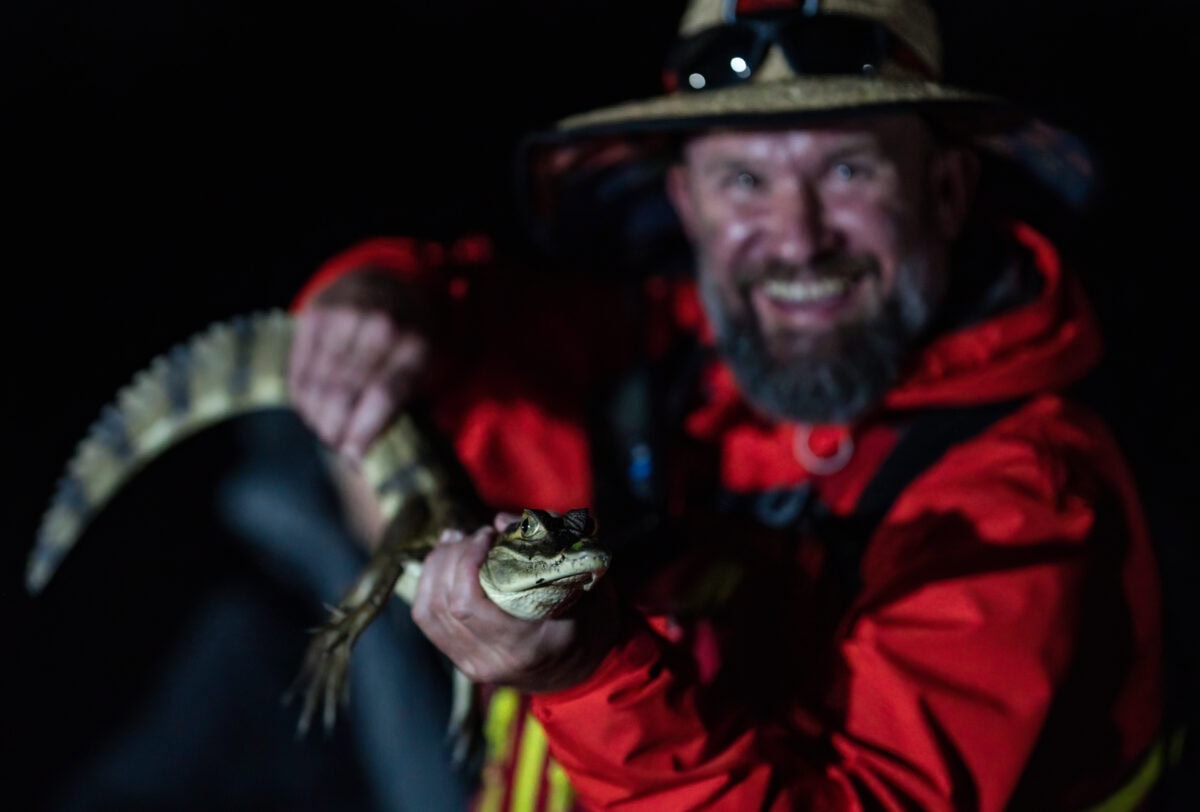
(828, 376)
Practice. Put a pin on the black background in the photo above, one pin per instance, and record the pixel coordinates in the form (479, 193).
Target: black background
(169, 164)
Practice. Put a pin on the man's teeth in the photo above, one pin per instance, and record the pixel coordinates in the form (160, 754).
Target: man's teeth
(801, 292)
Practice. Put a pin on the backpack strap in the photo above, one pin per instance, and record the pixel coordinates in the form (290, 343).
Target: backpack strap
(924, 439)
(633, 431)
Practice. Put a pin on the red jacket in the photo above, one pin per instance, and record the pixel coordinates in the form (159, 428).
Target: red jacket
(1004, 646)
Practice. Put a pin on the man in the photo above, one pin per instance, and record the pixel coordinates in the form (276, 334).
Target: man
(902, 566)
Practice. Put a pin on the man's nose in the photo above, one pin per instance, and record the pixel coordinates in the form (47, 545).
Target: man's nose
(800, 227)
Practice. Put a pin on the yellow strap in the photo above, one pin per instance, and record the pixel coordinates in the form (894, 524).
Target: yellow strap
(498, 730)
(527, 777)
(1137, 788)
(562, 794)
(491, 795)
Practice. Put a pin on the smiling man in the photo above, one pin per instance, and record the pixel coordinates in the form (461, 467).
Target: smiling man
(882, 556)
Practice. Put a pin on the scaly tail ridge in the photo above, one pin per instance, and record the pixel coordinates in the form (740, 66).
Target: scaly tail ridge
(233, 367)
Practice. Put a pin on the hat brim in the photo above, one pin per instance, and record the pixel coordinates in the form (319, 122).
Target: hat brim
(782, 102)
(607, 164)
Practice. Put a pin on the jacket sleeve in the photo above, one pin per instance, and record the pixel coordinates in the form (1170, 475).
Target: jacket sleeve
(947, 668)
(404, 257)
(585, 327)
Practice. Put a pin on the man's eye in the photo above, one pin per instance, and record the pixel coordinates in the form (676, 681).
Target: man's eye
(847, 171)
(743, 179)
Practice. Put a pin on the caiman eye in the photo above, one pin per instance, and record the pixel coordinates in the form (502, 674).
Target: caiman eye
(531, 527)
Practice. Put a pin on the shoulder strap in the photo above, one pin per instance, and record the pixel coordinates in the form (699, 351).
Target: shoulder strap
(923, 441)
(633, 427)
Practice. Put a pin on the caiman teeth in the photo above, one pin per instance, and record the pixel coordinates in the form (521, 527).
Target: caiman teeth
(804, 291)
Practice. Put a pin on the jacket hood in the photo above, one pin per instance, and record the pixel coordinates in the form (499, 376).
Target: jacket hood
(1047, 344)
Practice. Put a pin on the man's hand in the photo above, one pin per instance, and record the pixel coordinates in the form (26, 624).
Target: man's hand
(357, 359)
(489, 645)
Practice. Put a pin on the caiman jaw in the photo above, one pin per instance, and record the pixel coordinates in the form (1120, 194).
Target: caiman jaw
(537, 569)
(510, 573)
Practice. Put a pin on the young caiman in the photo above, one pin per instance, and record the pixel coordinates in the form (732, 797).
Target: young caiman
(538, 566)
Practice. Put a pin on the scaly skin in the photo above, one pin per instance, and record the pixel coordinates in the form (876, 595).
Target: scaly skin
(538, 567)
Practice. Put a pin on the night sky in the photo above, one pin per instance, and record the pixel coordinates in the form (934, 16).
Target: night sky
(171, 164)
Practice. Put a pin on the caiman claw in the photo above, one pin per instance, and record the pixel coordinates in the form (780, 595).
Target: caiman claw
(323, 676)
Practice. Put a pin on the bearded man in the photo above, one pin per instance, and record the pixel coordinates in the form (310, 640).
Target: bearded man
(906, 567)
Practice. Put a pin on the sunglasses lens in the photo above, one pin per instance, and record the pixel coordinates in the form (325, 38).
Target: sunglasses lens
(729, 54)
(834, 45)
(718, 57)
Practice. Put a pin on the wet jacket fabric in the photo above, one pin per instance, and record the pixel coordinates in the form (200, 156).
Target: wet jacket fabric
(1000, 646)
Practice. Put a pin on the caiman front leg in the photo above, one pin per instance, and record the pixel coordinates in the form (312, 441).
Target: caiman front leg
(323, 675)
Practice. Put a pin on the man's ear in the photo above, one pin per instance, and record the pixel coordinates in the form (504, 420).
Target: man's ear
(680, 195)
(954, 177)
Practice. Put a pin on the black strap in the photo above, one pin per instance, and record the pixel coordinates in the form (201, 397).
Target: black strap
(635, 425)
(924, 439)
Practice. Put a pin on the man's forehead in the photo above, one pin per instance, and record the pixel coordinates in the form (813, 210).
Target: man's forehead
(864, 131)
(760, 144)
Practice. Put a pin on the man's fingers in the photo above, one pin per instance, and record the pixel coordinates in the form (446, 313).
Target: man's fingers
(351, 371)
(449, 577)
(304, 345)
(329, 411)
(464, 592)
(503, 520)
(321, 338)
(389, 391)
(374, 338)
(451, 535)
(369, 416)
(334, 338)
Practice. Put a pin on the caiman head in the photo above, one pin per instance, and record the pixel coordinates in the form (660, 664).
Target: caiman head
(542, 563)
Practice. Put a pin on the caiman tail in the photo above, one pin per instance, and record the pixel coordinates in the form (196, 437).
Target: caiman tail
(233, 367)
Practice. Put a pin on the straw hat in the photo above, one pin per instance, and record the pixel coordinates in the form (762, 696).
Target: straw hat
(766, 63)
(909, 75)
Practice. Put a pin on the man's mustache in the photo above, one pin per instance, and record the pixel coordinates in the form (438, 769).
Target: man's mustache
(831, 266)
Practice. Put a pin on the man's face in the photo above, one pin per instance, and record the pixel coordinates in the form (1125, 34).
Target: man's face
(821, 254)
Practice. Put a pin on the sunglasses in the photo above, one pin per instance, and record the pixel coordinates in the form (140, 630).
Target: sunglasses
(827, 44)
